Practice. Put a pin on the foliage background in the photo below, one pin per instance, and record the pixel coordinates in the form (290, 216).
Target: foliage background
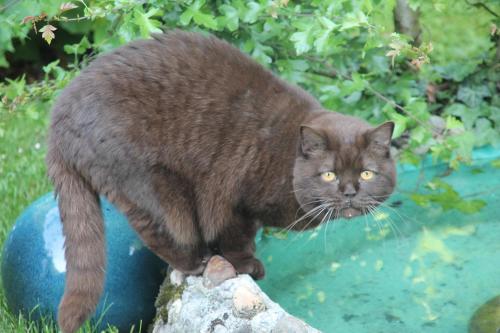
(442, 93)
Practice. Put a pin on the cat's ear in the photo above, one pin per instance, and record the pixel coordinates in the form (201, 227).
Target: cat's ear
(381, 135)
(311, 140)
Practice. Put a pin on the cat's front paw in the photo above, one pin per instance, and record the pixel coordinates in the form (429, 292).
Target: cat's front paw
(193, 266)
(251, 266)
(197, 270)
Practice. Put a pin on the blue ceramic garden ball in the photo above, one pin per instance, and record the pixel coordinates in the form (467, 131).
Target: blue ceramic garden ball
(33, 268)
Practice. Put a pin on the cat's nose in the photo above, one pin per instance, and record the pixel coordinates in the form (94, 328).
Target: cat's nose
(349, 191)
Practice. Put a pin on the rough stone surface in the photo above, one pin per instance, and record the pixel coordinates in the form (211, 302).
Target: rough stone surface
(177, 278)
(236, 305)
(247, 303)
(289, 324)
(218, 270)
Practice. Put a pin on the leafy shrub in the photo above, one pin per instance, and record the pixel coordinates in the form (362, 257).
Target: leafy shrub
(442, 95)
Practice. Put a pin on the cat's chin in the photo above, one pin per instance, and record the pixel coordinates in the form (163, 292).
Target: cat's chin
(350, 212)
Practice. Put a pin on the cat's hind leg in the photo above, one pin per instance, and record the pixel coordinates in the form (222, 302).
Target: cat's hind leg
(159, 207)
(187, 258)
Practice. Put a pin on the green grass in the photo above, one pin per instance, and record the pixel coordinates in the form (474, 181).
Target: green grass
(22, 180)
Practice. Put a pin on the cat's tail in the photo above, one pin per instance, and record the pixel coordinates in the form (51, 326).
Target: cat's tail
(85, 253)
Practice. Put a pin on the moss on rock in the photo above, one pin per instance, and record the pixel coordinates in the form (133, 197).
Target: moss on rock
(168, 292)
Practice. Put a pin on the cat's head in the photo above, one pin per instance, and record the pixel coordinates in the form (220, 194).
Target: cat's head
(343, 166)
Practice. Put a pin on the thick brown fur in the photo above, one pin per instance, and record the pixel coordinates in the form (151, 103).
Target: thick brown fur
(199, 146)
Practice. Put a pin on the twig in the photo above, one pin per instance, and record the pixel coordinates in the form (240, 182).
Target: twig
(399, 107)
(482, 5)
(475, 194)
(66, 19)
(327, 74)
(8, 4)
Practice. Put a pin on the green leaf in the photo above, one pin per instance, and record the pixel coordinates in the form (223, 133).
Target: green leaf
(354, 20)
(418, 109)
(420, 135)
(352, 98)
(231, 17)
(453, 123)
(78, 48)
(473, 95)
(301, 41)
(260, 53)
(3, 61)
(471, 206)
(420, 199)
(484, 133)
(327, 23)
(409, 157)
(400, 124)
(350, 86)
(467, 115)
(465, 142)
(146, 24)
(445, 196)
(15, 87)
(299, 65)
(206, 20)
(321, 41)
(186, 17)
(32, 111)
(252, 12)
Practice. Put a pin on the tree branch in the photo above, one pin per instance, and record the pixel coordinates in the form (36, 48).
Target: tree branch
(406, 21)
(8, 4)
(482, 5)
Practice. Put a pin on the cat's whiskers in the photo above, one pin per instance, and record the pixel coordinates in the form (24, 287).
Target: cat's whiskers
(307, 203)
(404, 218)
(306, 215)
(297, 190)
(330, 212)
(311, 218)
(321, 222)
(380, 205)
(325, 206)
(367, 224)
(394, 228)
(371, 209)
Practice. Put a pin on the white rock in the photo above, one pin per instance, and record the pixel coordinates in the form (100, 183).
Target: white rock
(264, 322)
(177, 277)
(237, 305)
(289, 324)
(247, 303)
(174, 311)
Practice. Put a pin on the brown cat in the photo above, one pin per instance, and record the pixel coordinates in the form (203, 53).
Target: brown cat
(200, 146)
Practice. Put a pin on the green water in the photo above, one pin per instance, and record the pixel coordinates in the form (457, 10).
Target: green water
(410, 269)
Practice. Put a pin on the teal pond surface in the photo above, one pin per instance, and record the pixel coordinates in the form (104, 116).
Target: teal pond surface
(406, 269)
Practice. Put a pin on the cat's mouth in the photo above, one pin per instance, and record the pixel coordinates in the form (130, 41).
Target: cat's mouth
(350, 212)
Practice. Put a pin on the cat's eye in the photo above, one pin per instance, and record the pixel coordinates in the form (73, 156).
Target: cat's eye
(367, 175)
(328, 176)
